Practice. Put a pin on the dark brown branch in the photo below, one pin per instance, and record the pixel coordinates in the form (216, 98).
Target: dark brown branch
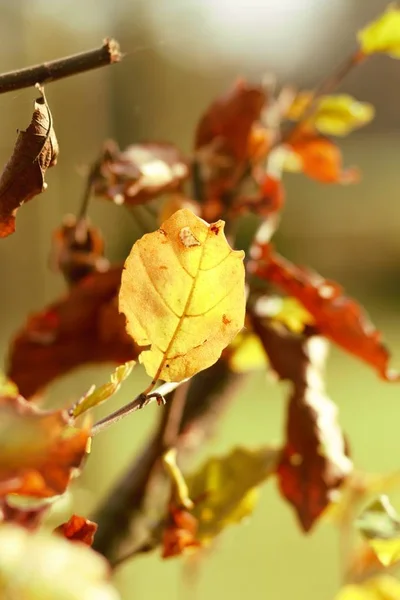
(209, 393)
(108, 54)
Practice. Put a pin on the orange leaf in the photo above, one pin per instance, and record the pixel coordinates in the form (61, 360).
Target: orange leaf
(139, 173)
(180, 533)
(336, 316)
(321, 159)
(36, 150)
(38, 449)
(78, 529)
(83, 327)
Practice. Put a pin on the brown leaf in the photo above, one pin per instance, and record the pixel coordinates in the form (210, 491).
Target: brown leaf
(78, 250)
(36, 150)
(267, 202)
(83, 327)
(321, 159)
(337, 317)
(179, 535)
(313, 462)
(139, 173)
(38, 449)
(78, 529)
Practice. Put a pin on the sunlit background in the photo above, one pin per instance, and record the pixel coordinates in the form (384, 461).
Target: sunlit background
(180, 54)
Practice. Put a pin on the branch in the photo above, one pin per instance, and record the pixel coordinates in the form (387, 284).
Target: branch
(208, 394)
(108, 54)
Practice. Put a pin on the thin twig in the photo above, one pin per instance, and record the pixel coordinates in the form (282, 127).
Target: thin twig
(109, 53)
(139, 402)
(327, 86)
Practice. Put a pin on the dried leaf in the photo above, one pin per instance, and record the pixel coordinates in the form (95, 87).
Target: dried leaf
(97, 396)
(224, 489)
(383, 34)
(78, 250)
(36, 149)
(380, 525)
(182, 293)
(29, 517)
(314, 460)
(78, 529)
(268, 201)
(338, 115)
(320, 159)
(139, 173)
(39, 450)
(336, 316)
(384, 587)
(45, 566)
(179, 535)
(83, 327)
(223, 137)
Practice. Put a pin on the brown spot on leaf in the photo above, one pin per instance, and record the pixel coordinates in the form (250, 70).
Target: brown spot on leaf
(225, 320)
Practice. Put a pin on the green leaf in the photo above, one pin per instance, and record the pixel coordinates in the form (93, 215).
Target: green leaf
(45, 566)
(380, 525)
(224, 490)
(383, 34)
(96, 396)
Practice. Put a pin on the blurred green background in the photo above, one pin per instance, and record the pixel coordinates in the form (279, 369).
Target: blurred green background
(180, 54)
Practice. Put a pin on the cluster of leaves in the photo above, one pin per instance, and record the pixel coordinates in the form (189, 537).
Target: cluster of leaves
(177, 306)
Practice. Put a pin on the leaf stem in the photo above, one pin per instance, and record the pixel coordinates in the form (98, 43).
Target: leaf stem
(143, 399)
(109, 53)
(327, 86)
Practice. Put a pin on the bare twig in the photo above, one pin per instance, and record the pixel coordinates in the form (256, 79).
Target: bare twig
(107, 54)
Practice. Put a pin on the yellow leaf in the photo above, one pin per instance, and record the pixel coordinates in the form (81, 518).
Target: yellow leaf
(246, 353)
(182, 293)
(333, 115)
(384, 587)
(387, 551)
(46, 566)
(287, 311)
(7, 387)
(383, 34)
(96, 396)
(380, 526)
(224, 490)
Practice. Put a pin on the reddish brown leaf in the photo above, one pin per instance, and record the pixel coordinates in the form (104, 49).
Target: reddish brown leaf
(337, 317)
(36, 150)
(180, 532)
(321, 159)
(139, 173)
(267, 202)
(230, 119)
(78, 249)
(78, 529)
(38, 450)
(83, 327)
(313, 462)
(29, 517)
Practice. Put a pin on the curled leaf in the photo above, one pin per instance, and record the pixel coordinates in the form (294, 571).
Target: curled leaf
(83, 327)
(78, 529)
(179, 535)
(182, 293)
(39, 451)
(51, 566)
(336, 316)
(320, 158)
(383, 34)
(314, 461)
(338, 114)
(97, 396)
(36, 149)
(138, 173)
(224, 489)
(78, 250)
